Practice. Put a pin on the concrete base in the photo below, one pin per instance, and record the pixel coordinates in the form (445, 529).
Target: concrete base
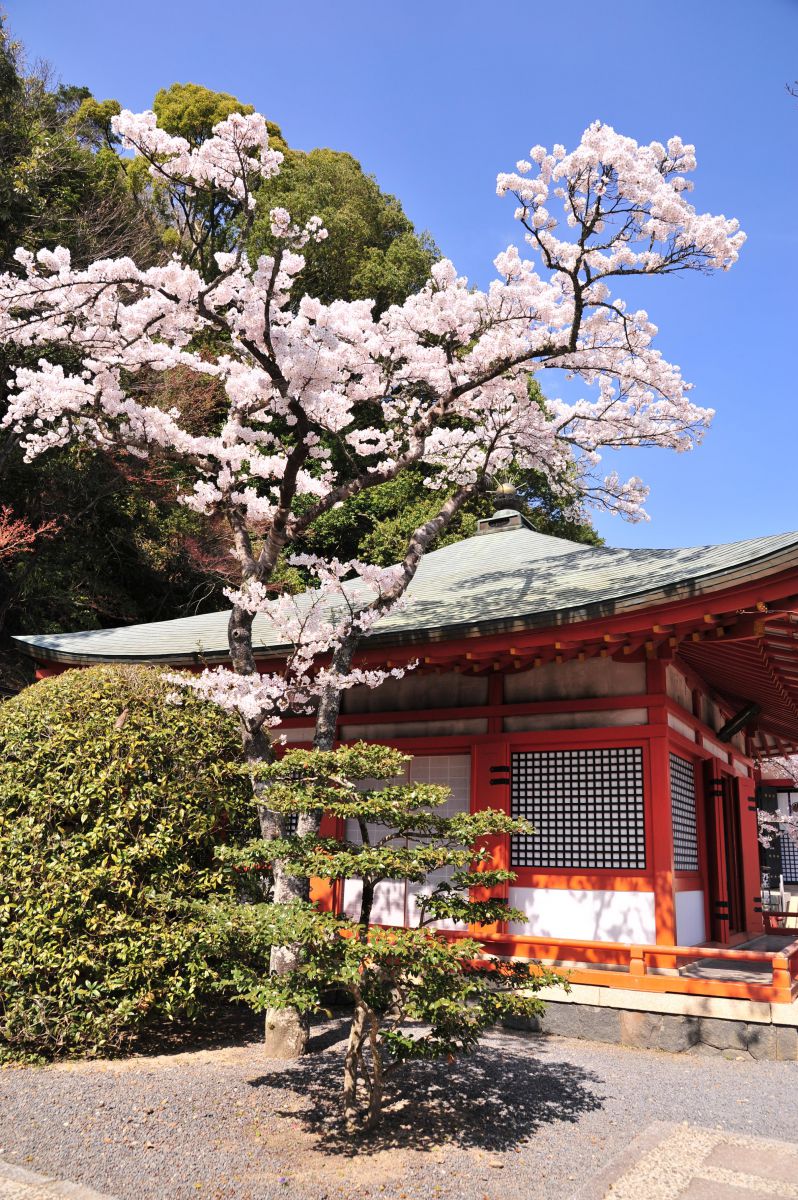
(676, 1023)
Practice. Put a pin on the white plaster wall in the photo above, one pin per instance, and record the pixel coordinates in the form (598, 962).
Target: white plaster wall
(412, 729)
(690, 923)
(292, 736)
(395, 903)
(450, 690)
(577, 720)
(711, 714)
(389, 901)
(715, 750)
(678, 688)
(681, 727)
(576, 680)
(454, 772)
(593, 916)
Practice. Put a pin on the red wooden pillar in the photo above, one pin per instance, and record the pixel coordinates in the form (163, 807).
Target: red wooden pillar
(329, 895)
(495, 700)
(749, 838)
(490, 788)
(661, 843)
(660, 834)
(717, 881)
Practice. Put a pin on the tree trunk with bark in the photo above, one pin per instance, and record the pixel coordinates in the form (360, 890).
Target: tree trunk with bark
(365, 1027)
(285, 1030)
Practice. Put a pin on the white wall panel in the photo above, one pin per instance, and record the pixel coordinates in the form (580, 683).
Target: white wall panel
(389, 901)
(413, 729)
(576, 680)
(305, 734)
(678, 688)
(453, 771)
(414, 691)
(577, 720)
(395, 902)
(592, 916)
(690, 923)
(681, 727)
(715, 749)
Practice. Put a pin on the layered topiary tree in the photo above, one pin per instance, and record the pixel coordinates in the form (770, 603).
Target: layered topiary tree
(113, 799)
(418, 993)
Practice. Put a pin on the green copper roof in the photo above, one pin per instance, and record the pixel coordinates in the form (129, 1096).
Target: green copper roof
(512, 579)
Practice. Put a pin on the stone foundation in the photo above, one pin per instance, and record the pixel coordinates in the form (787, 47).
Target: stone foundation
(728, 1036)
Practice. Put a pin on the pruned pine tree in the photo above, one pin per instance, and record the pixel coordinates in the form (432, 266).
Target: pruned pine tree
(423, 992)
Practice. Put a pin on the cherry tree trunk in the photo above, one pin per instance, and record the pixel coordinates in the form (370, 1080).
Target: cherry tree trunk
(286, 1030)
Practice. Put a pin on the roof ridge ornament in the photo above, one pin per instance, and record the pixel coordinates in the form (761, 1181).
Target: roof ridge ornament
(507, 513)
(507, 498)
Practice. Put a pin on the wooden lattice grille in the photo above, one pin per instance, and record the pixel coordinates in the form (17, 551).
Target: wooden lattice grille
(789, 850)
(683, 815)
(587, 807)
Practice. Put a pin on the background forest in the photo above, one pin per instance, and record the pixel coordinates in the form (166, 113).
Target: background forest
(93, 539)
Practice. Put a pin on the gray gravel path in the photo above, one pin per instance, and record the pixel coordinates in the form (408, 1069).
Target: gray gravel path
(526, 1118)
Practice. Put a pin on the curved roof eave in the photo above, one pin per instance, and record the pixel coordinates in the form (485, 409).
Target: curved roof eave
(571, 568)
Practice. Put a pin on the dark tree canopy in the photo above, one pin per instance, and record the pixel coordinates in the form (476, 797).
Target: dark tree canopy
(373, 250)
(121, 552)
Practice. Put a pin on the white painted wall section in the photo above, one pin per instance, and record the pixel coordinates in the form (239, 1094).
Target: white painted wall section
(690, 924)
(593, 916)
(577, 720)
(396, 903)
(681, 727)
(389, 901)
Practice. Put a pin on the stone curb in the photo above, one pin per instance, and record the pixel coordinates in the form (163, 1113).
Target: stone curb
(597, 1187)
(48, 1183)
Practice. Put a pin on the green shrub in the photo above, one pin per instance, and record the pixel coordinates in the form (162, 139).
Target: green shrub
(112, 800)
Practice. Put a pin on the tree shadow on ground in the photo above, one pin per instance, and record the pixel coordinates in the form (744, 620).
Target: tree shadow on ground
(215, 1029)
(493, 1099)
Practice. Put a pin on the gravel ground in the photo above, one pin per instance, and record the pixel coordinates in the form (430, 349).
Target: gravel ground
(525, 1118)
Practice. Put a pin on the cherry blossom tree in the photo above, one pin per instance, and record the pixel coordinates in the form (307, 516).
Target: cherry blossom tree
(771, 825)
(322, 401)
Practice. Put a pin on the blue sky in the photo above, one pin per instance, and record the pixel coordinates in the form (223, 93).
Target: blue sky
(435, 98)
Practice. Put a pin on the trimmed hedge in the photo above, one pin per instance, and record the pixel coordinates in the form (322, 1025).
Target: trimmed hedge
(112, 800)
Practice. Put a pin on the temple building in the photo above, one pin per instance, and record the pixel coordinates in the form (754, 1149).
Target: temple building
(621, 700)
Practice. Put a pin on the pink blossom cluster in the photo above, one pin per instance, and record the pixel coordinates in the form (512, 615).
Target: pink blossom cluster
(631, 197)
(237, 152)
(306, 627)
(772, 825)
(448, 371)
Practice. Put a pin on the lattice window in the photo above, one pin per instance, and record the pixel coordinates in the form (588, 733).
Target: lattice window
(587, 807)
(683, 815)
(788, 802)
(789, 858)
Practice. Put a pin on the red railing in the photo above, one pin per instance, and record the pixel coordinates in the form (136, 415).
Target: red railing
(654, 968)
(776, 922)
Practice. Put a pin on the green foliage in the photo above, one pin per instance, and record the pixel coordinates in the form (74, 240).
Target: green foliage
(375, 525)
(112, 802)
(403, 975)
(373, 250)
(124, 550)
(61, 182)
(417, 993)
(190, 110)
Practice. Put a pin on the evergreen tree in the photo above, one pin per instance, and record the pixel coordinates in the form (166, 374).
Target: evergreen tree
(418, 993)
